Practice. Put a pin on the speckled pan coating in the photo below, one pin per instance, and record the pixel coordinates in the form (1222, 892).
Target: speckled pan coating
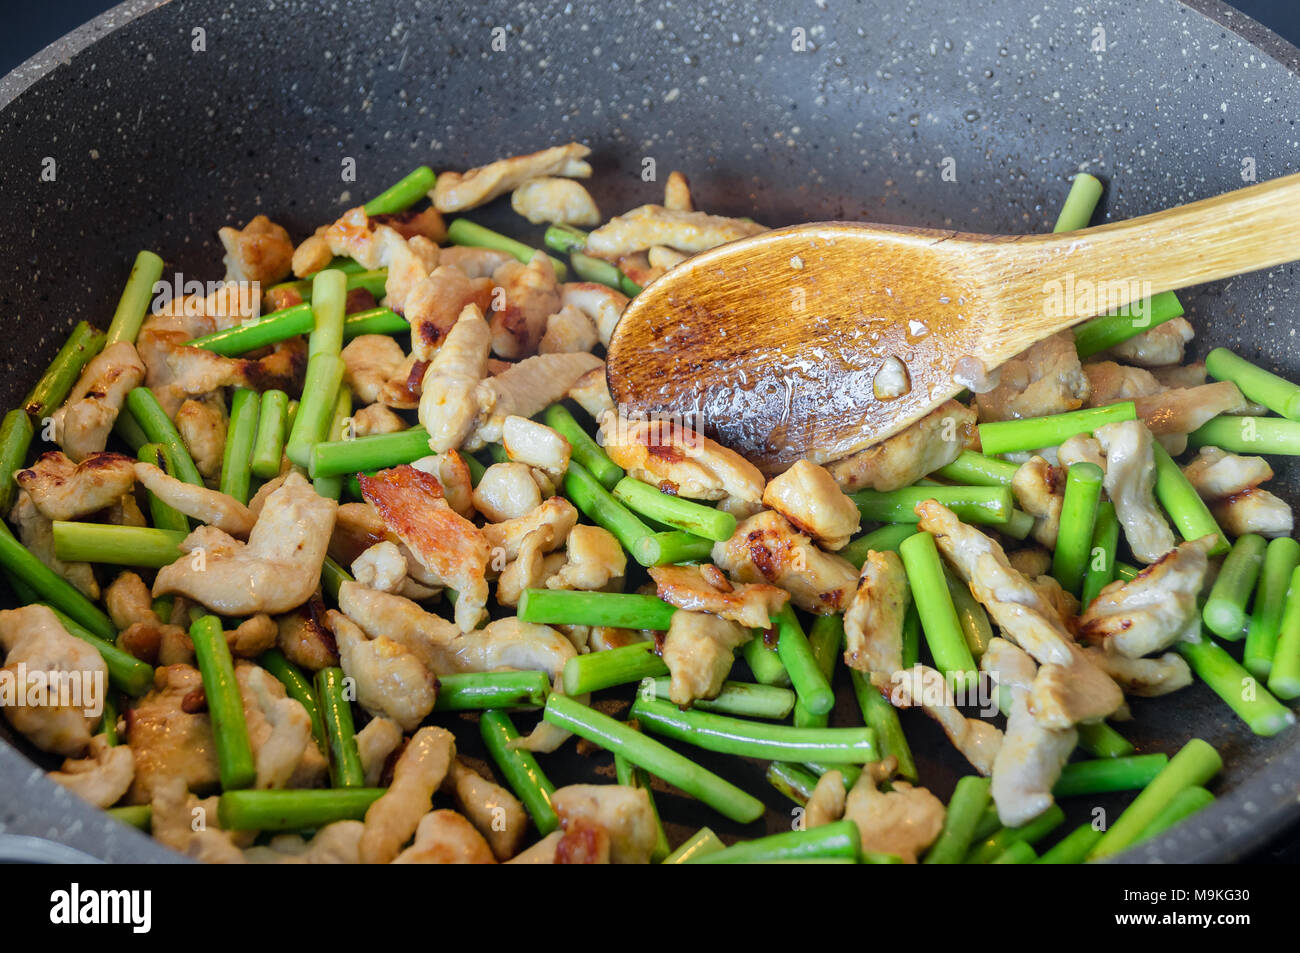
(157, 146)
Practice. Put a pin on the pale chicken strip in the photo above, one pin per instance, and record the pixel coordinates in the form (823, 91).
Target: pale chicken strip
(591, 393)
(169, 737)
(390, 680)
(63, 490)
(458, 191)
(934, 441)
(448, 405)
(510, 643)
(61, 717)
(102, 777)
(1153, 610)
(380, 614)
(525, 389)
(1182, 410)
(766, 548)
(902, 821)
(411, 504)
(552, 199)
(207, 506)
(497, 813)
(527, 441)
(680, 461)
(1162, 345)
(1230, 484)
(506, 491)
(418, 773)
(1130, 485)
(1040, 490)
(452, 474)
(602, 305)
(593, 560)
(623, 813)
(279, 730)
(337, 843)
(260, 251)
(202, 425)
(529, 295)
(1046, 379)
(1144, 677)
(826, 803)
(707, 589)
(83, 423)
(375, 743)
(1074, 690)
(445, 837)
(506, 537)
(808, 496)
(650, 225)
(277, 570)
(923, 687)
(36, 533)
(370, 361)
(873, 621)
(531, 570)
(568, 331)
(699, 651)
(1028, 764)
(376, 418)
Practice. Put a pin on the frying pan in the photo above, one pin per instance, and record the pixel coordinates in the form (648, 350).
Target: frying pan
(157, 143)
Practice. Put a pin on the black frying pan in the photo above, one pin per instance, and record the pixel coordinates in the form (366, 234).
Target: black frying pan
(157, 144)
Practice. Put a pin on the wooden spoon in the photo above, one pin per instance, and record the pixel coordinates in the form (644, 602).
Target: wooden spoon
(774, 345)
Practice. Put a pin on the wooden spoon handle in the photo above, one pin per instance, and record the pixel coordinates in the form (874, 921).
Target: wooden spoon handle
(1048, 282)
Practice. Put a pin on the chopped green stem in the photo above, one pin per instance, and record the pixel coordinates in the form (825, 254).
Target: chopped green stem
(50, 587)
(673, 546)
(965, 808)
(316, 409)
(50, 391)
(882, 718)
(158, 428)
(1184, 804)
(1074, 847)
(992, 847)
(162, 515)
(332, 486)
(763, 661)
(1284, 677)
(136, 296)
(1104, 332)
(372, 281)
(564, 238)
(1194, 764)
(629, 775)
(1256, 384)
(225, 705)
(298, 687)
(1017, 853)
(702, 843)
(744, 699)
(464, 232)
(108, 720)
(372, 452)
(589, 268)
(139, 816)
(583, 446)
(1184, 505)
(292, 321)
(1126, 571)
(1078, 519)
(1225, 608)
(520, 770)
(586, 493)
(683, 514)
(1254, 435)
(125, 671)
(116, 545)
(975, 625)
(328, 303)
(837, 841)
(294, 810)
(1101, 554)
(792, 780)
(1211, 663)
(911, 636)
(796, 655)
(1102, 741)
(972, 504)
(824, 640)
(268, 444)
(15, 439)
(346, 770)
(241, 432)
(128, 430)
(658, 759)
(613, 609)
(332, 575)
(471, 691)
(1035, 433)
(1103, 775)
(597, 670)
(1080, 203)
(755, 740)
(975, 469)
(939, 622)
(885, 539)
(1280, 560)
(403, 193)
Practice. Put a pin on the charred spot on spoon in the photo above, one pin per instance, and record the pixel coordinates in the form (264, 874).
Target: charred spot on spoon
(892, 380)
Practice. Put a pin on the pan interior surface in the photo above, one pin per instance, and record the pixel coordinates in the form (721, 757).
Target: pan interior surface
(970, 115)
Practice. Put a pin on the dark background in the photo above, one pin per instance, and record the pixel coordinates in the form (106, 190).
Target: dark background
(33, 25)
